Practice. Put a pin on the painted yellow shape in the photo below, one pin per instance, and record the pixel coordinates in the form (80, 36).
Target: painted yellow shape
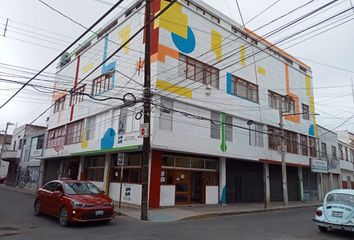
(124, 36)
(87, 68)
(84, 142)
(261, 71)
(243, 55)
(216, 46)
(172, 88)
(312, 101)
(173, 19)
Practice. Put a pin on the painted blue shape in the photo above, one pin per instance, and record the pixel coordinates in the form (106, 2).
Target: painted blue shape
(229, 83)
(110, 66)
(223, 196)
(185, 45)
(107, 141)
(312, 130)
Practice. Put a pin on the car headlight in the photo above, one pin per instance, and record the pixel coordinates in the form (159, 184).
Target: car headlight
(77, 204)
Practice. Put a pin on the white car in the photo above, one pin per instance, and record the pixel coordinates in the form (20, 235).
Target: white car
(337, 211)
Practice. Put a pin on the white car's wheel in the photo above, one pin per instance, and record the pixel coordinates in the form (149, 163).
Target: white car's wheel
(322, 229)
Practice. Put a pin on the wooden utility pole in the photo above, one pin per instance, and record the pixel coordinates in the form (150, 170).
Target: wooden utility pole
(147, 117)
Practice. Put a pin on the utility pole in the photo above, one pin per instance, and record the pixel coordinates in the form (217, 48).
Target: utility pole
(283, 151)
(147, 113)
(4, 140)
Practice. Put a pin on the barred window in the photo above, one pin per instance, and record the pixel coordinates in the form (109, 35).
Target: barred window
(291, 142)
(78, 95)
(59, 104)
(73, 132)
(245, 89)
(304, 145)
(102, 84)
(56, 137)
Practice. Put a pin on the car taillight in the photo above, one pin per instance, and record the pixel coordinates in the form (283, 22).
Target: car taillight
(318, 213)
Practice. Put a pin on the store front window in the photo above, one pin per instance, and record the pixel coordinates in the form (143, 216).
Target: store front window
(190, 176)
(131, 164)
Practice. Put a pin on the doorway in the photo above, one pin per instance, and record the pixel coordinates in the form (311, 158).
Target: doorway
(197, 187)
(190, 187)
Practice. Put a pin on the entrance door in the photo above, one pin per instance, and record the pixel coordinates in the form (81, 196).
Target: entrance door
(182, 180)
(197, 187)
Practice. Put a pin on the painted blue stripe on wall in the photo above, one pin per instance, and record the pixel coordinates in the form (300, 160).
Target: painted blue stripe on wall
(228, 83)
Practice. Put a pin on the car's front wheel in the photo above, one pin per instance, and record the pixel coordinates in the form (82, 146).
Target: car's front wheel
(63, 217)
(37, 208)
(322, 229)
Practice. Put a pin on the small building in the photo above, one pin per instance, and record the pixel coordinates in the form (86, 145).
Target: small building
(5, 145)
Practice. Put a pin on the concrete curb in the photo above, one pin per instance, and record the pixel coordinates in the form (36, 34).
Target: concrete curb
(220, 214)
(19, 190)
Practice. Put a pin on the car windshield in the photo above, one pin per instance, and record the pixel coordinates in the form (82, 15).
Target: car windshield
(81, 188)
(341, 198)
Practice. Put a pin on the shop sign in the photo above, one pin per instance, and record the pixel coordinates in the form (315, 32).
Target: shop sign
(319, 166)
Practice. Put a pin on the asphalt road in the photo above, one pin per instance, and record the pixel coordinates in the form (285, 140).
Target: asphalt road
(18, 222)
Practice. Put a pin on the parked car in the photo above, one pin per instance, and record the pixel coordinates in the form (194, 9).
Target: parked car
(337, 211)
(73, 201)
(2, 180)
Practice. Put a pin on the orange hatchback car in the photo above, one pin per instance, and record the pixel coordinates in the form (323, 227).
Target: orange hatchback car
(73, 201)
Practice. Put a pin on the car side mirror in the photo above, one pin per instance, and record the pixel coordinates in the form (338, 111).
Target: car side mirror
(57, 193)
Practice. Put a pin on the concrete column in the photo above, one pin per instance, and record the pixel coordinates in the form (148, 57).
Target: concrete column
(267, 184)
(222, 181)
(81, 168)
(301, 183)
(106, 176)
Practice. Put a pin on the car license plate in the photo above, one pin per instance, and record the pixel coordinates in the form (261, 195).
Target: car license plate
(337, 214)
(99, 212)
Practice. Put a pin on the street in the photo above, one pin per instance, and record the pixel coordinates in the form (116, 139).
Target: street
(17, 222)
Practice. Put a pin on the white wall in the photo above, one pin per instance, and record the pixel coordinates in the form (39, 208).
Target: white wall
(211, 195)
(131, 193)
(167, 195)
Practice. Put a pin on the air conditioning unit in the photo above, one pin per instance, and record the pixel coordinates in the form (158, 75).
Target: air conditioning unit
(64, 59)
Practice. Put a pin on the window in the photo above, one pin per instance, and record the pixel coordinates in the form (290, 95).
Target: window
(50, 186)
(340, 151)
(215, 125)
(59, 104)
(56, 137)
(20, 144)
(122, 125)
(245, 89)
(169, 161)
(277, 101)
(334, 152)
(102, 84)
(304, 145)
(228, 128)
(131, 168)
(291, 142)
(291, 106)
(346, 153)
(14, 148)
(274, 138)
(166, 114)
(74, 131)
(40, 142)
(305, 112)
(312, 146)
(95, 168)
(78, 95)
(323, 150)
(90, 127)
(256, 135)
(198, 71)
(274, 100)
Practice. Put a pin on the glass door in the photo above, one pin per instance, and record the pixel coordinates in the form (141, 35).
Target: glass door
(182, 182)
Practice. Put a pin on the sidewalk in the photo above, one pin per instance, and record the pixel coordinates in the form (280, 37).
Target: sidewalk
(204, 211)
(17, 189)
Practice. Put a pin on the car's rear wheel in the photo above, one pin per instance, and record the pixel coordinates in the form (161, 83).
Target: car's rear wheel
(63, 217)
(322, 229)
(37, 208)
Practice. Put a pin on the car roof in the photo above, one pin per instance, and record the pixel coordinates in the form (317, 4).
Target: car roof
(67, 181)
(345, 191)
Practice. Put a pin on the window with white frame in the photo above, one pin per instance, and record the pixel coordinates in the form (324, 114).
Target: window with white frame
(305, 112)
(215, 125)
(59, 104)
(323, 150)
(198, 71)
(256, 135)
(244, 89)
(102, 84)
(166, 114)
(341, 156)
(90, 127)
(334, 152)
(228, 128)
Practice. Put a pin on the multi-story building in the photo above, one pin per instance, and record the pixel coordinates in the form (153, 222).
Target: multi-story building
(328, 152)
(219, 93)
(30, 163)
(13, 155)
(346, 154)
(5, 144)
